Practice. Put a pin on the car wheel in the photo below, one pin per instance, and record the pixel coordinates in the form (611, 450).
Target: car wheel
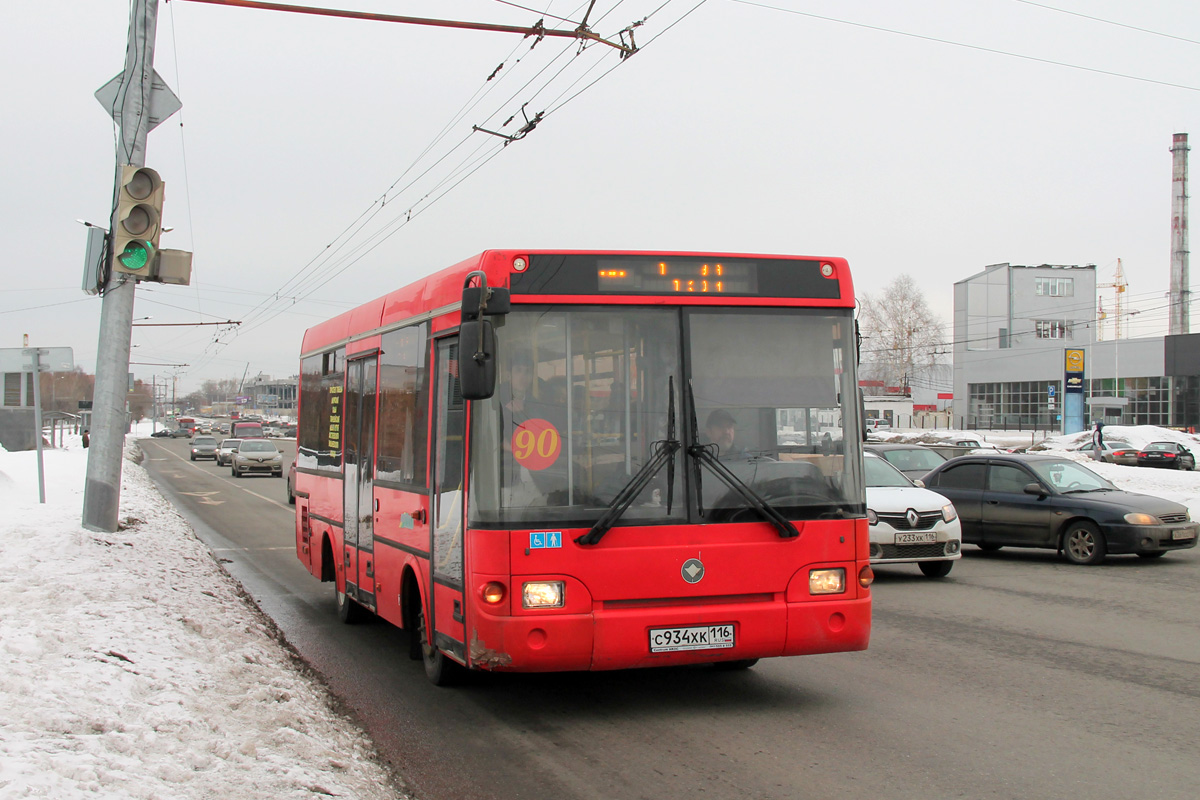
(291, 494)
(193, 458)
(439, 668)
(234, 472)
(936, 569)
(1083, 543)
(348, 611)
(735, 666)
(1159, 554)
(989, 548)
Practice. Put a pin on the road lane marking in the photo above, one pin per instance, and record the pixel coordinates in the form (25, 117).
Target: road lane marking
(205, 498)
(189, 463)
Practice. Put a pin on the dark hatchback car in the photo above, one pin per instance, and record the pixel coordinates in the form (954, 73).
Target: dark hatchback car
(1045, 501)
(1166, 454)
(913, 460)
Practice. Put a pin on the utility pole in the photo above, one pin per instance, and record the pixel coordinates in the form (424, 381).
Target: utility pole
(102, 489)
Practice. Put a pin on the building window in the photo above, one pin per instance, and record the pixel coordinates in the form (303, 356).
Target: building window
(1052, 329)
(1054, 287)
(12, 388)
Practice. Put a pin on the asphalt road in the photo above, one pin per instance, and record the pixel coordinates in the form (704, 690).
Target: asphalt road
(1018, 676)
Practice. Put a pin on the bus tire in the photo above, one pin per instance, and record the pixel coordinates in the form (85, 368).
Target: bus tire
(439, 668)
(348, 611)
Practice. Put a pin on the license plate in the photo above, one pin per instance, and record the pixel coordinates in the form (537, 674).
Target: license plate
(1183, 534)
(703, 637)
(928, 537)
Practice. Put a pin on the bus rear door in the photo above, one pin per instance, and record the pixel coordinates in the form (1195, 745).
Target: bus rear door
(358, 485)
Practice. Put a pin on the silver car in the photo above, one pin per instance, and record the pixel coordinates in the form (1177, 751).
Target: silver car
(257, 455)
(225, 451)
(204, 447)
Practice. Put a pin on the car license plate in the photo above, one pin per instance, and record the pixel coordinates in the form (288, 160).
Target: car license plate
(928, 537)
(1183, 534)
(703, 637)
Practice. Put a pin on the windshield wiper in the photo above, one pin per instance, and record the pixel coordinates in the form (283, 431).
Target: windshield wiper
(703, 454)
(663, 454)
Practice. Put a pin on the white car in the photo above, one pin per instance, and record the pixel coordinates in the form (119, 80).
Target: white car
(909, 524)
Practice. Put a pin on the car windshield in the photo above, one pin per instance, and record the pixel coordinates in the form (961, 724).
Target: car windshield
(1167, 446)
(1067, 476)
(257, 446)
(881, 473)
(230, 444)
(204, 440)
(915, 459)
(585, 401)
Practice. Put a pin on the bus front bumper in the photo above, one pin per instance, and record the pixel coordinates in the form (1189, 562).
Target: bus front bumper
(620, 638)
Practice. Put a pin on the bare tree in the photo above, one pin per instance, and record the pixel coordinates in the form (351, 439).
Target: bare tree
(901, 336)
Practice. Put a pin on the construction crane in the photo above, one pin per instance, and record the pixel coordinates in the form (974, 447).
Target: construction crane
(1121, 285)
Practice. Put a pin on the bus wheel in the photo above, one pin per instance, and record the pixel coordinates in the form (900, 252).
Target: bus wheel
(348, 611)
(439, 668)
(735, 666)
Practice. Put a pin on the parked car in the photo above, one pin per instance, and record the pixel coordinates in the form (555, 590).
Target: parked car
(1166, 454)
(291, 484)
(161, 433)
(204, 447)
(913, 460)
(256, 455)
(877, 424)
(909, 525)
(1028, 500)
(225, 451)
(1113, 454)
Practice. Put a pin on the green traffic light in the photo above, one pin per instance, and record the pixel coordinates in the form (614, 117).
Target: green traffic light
(136, 255)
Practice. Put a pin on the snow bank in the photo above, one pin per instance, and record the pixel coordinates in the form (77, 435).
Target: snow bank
(132, 666)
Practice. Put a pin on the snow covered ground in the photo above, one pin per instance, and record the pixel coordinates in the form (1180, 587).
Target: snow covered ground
(132, 666)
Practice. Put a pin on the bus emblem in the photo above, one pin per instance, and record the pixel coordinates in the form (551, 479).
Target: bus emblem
(692, 570)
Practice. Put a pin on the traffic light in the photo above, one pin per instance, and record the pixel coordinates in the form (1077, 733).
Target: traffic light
(139, 220)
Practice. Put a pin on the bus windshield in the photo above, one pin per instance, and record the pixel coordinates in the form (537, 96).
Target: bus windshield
(588, 396)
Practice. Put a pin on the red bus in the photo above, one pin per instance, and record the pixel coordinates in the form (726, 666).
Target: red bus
(630, 459)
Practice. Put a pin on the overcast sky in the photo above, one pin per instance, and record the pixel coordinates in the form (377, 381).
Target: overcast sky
(928, 137)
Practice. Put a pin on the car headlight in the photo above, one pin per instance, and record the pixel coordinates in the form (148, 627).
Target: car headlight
(543, 594)
(827, 581)
(872, 517)
(948, 512)
(1138, 518)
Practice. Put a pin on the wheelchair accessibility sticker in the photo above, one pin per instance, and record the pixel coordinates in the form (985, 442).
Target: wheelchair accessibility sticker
(542, 540)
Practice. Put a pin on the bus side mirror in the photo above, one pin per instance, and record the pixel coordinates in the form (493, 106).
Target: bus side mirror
(477, 359)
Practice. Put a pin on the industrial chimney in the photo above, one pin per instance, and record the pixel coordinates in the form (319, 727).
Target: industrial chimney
(1180, 296)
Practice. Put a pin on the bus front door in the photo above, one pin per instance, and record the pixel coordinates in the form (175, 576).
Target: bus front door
(358, 485)
(447, 610)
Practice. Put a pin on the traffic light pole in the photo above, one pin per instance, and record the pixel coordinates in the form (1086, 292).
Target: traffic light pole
(102, 490)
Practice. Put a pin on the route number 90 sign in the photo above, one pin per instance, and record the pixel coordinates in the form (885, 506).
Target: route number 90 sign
(536, 444)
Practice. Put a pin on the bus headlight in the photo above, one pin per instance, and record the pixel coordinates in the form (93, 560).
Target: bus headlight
(543, 594)
(827, 581)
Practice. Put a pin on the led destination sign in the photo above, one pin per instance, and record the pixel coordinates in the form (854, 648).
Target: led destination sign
(677, 276)
(688, 275)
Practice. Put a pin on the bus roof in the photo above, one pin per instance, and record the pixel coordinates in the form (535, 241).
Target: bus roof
(441, 292)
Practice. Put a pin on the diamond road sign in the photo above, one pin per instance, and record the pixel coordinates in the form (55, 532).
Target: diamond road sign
(20, 359)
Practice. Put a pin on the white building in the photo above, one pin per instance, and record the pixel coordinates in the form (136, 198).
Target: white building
(1012, 327)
